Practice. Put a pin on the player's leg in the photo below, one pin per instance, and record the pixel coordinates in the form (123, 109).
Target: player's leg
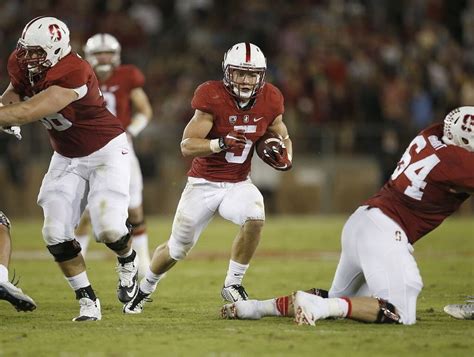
(136, 217)
(62, 199)
(8, 290)
(256, 309)
(82, 232)
(195, 209)
(388, 267)
(108, 200)
(243, 205)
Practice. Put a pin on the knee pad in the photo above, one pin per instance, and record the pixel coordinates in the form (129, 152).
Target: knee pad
(387, 313)
(65, 251)
(120, 244)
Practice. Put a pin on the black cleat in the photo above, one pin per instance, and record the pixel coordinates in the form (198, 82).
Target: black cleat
(233, 293)
(127, 269)
(135, 306)
(16, 297)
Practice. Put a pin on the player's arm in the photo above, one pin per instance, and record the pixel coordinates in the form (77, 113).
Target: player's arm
(10, 96)
(142, 111)
(48, 102)
(279, 127)
(283, 161)
(194, 142)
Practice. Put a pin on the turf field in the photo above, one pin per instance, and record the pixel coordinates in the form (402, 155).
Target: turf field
(183, 320)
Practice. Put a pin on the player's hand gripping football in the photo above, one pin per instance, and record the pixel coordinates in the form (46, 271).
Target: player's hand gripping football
(12, 130)
(233, 140)
(278, 157)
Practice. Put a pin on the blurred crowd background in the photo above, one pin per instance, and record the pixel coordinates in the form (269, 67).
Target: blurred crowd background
(360, 78)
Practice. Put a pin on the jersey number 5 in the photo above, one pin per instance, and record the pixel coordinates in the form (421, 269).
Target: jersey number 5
(416, 171)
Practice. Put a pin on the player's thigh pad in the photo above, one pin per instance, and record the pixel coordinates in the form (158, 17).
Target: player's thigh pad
(62, 197)
(136, 182)
(389, 267)
(242, 202)
(109, 190)
(196, 207)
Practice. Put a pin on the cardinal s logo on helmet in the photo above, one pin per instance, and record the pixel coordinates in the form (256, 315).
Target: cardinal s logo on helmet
(459, 128)
(43, 43)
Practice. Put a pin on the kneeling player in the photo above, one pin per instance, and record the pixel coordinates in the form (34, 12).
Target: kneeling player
(377, 278)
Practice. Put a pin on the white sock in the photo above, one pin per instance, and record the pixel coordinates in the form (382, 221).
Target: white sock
(140, 245)
(268, 308)
(84, 242)
(235, 273)
(337, 307)
(78, 281)
(3, 273)
(150, 281)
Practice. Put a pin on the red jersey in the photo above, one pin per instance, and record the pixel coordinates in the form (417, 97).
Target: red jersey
(419, 195)
(85, 125)
(233, 166)
(116, 90)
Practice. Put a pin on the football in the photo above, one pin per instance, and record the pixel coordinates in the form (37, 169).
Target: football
(268, 143)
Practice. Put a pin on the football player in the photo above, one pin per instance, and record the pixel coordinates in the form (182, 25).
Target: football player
(90, 163)
(230, 116)
(377, 278)
(8, 290)
(122, 88)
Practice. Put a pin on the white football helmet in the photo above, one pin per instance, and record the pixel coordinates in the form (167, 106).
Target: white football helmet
(43, 43)
(246, 57)
(100, 43)
(459, 128)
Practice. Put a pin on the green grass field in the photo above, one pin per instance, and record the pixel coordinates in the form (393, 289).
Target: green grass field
(183, 320)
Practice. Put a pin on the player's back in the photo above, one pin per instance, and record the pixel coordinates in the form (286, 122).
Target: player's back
(83, 126)
(427, 185)
(213, 98)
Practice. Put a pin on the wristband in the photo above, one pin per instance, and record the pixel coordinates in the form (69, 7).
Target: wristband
(215, 146)
(139, 122)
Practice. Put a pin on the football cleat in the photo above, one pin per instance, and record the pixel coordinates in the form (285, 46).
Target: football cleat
(308, 308)
(460, 311)
(127, 269)
(89, 310)
(16, 297)
(135, 306)
(233, 293)
(243, 310)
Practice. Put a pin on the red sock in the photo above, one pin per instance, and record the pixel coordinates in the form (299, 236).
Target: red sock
(282, 305)
(349, 307)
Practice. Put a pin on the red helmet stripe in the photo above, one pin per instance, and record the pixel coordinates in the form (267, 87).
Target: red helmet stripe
(29, 24)
(247, 52)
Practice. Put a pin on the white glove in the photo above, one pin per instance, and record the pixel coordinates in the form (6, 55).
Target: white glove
(12, 130)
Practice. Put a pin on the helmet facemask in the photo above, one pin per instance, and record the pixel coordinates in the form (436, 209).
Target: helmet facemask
(32, 59)
(244, 83)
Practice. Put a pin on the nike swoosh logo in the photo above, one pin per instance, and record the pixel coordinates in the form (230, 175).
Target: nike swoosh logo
(257, 119)
(132, 293)
(113, 88)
